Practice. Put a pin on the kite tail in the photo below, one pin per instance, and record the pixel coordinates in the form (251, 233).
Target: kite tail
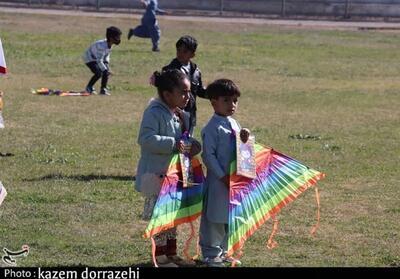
(315, 227)
(236, 259)
(153, 251)
(271, 243)
(188, 241)
(197, 249)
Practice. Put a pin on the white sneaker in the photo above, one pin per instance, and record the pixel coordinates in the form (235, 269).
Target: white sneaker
(230, 260)
(214, 262)
(104, 92)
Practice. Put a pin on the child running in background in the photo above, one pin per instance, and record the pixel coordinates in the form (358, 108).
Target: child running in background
(160, 135)
(97, 58)
(149, 27)
(219, 145)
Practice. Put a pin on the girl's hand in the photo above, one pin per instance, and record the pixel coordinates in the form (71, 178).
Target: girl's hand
(244, 134)
(179, 112)
(196, 148)
(180, 146)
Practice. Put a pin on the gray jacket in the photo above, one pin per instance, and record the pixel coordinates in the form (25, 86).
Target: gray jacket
(159, 131)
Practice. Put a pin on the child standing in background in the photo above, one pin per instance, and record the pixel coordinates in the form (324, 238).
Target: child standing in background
(185, 51)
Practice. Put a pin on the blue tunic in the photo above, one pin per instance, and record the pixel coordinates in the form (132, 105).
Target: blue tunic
(218, 149)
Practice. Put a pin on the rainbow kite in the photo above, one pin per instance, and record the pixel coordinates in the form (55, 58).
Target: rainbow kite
(279, 180)
(177, 204)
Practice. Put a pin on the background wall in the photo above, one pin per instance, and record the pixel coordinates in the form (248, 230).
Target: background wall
(334, 8)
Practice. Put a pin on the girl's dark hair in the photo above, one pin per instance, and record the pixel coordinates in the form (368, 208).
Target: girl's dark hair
(188, 42)
(221, 88)
(168, 80)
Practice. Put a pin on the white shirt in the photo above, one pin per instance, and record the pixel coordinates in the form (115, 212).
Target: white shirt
(186, 69)
(99, 52)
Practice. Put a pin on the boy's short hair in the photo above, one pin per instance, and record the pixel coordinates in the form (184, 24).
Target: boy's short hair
(221, 88)
(188, 42)
(113, 32)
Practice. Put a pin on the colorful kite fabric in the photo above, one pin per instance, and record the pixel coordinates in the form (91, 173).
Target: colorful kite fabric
(3, 67)
(175, 204)
(280, 180)
(51, 92)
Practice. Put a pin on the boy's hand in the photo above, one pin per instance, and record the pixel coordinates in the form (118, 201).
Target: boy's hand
(244, 134)
(225, 180)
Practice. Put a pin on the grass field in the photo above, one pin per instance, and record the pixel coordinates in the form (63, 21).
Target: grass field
(70, 182)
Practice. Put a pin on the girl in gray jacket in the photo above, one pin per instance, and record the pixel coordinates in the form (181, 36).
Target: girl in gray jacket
(160, 134)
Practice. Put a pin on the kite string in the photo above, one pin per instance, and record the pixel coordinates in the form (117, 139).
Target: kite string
(271, 243)
(235, 260)
(188, 241)
(153, 251)
(315, 227)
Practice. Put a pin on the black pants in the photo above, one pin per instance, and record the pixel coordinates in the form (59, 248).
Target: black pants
(98, 74)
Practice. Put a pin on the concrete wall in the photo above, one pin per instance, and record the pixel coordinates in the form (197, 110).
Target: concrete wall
(385, 8)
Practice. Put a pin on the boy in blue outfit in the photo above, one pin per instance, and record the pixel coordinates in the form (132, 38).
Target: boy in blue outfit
(97, 58)
(219, 147)
(185, 51)
(149, 27)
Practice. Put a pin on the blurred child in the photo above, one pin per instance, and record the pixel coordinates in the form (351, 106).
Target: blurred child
(218, 148)
(97, 58)
(149, 27)
(185, 51)
(160, 135)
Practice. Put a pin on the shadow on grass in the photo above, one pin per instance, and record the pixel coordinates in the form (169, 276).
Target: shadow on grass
(6, 154)
(86, 178)
(148, 264)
